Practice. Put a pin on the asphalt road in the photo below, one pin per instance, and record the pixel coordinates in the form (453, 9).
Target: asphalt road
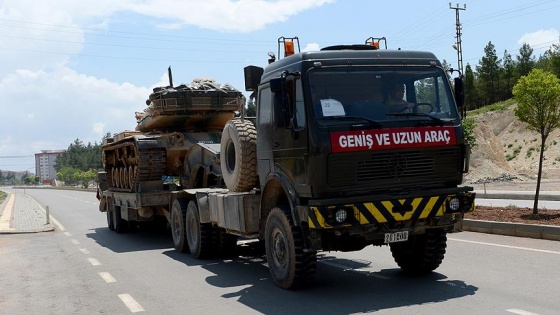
(83, 268)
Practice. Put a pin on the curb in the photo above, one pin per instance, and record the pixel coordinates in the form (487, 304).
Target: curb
(516, 196)
(545, 232)
(46, 229)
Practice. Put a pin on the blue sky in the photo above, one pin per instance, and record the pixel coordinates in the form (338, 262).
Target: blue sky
(76, 69)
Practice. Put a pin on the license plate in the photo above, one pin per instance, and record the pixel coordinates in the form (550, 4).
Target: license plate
(400, 236)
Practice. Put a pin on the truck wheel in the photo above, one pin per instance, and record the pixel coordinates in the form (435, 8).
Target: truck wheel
(227, 243)
(421, 254)
(109, 209)
(238, 154)
(178, 228)
(201, 237)
(120, 225)
(290, 266)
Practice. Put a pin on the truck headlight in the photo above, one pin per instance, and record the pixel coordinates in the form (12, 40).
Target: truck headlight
(341, 215)
(454, 204)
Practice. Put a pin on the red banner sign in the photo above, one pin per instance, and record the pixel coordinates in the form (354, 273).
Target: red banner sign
(394, 138)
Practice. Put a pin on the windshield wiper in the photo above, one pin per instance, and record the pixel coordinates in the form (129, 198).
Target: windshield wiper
(372, 122)
(439, 120)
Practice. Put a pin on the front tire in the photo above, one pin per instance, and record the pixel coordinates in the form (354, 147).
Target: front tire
(290, 266)
(422, 253)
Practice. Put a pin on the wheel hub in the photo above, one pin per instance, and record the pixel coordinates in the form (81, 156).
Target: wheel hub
(279, 248)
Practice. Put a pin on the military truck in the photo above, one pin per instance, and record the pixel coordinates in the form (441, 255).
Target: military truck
(327, 165)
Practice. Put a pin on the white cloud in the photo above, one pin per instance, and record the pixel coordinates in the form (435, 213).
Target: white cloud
(312, 47)
(224, 15)
(541, 39)
(54, 108)
(99, 128)
(46, 104)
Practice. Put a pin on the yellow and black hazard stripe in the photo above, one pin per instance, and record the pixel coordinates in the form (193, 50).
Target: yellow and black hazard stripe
(379, 212)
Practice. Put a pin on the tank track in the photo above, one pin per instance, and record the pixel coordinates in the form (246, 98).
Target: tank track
(131, 162)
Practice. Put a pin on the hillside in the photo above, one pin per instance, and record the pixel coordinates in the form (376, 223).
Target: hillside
(506, 150)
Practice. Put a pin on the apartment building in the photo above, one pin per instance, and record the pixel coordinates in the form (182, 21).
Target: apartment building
(44, 165)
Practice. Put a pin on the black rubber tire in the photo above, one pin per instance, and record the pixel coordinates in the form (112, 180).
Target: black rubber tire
(178, 226)
(290, 267)
(109, 209)
(121, 226)
(201, 237)
(422, 253)
(238, 154)
(227, 243)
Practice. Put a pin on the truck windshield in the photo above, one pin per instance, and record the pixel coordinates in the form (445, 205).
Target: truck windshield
(383, 94)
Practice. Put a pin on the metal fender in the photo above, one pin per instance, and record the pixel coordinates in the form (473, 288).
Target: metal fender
(278, 190)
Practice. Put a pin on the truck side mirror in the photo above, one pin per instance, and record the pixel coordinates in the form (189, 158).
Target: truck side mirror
(253, 76)
(459, 93)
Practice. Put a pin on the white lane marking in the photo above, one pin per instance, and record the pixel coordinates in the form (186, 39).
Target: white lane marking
(75, 241)
(507, 246)
(55, 221)
(131, 303)
(67, 233)
(520, 312)
(94, 262)
(107, 277)
(51, 218)
(84, 251)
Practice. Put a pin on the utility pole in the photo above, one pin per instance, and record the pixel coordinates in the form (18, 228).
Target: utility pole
(458, 44)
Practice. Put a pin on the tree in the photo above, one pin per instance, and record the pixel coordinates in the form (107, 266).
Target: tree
(553, 57)
(471, 95)
(489, 74)
(251, 109)
(508, 75)
(86, 177)
(525, 60)
(69, 175)
(538, 97)
(80, 156)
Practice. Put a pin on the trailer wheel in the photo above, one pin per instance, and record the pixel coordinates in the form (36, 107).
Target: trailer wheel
(201, 237)
(109, 209)
(238, 152)
(422, 253)
(120, 225)
(178, 228)
(290, 266)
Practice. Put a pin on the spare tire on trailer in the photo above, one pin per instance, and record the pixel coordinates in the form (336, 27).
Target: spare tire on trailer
(238, 155)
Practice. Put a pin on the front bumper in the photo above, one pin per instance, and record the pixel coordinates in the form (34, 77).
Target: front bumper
(389, 211)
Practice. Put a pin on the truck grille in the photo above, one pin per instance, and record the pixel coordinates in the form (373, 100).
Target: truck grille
(386, 168)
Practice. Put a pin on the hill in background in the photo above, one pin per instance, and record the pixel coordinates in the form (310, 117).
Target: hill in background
(506, 150)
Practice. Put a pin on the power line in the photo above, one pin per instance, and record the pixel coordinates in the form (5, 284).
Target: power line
(14, 156)
(144, 36)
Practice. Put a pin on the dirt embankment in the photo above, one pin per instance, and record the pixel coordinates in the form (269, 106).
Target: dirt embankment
(507, 154)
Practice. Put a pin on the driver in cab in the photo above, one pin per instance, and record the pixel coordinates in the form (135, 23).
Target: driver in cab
(395, 101)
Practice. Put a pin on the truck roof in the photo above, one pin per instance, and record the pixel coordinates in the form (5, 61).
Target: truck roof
(355, 57)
